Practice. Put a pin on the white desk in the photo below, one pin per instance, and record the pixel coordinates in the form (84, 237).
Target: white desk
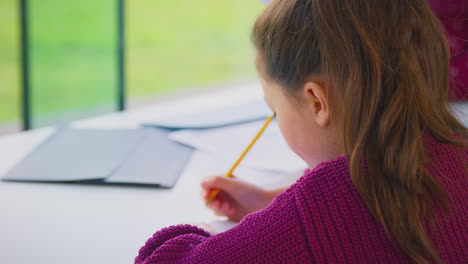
(71, 223)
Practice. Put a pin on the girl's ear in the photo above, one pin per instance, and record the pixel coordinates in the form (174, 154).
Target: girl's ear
(315, 96)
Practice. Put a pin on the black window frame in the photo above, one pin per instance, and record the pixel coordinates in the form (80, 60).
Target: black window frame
(26, 114)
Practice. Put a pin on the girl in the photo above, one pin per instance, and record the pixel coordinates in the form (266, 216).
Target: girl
(360, 92)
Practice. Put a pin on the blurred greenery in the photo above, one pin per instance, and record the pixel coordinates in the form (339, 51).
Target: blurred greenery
(9, 78)
(171, 45)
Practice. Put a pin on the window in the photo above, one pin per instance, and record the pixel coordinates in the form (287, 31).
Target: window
(184, 44)
(75, 63)
(9, 67)
(73, 67)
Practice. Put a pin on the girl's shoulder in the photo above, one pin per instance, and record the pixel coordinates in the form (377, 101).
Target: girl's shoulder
(328, 180)
(327, 170)
(447, 163)
(332, 179)
(443, 151)
(449, 8)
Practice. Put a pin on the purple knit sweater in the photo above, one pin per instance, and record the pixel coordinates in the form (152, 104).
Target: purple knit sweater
(454, 16)
(320, 219)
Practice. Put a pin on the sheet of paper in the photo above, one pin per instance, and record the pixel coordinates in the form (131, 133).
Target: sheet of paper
(204, 164)
(269, 153)
(230, 115)
(460, 109)
(216, 226)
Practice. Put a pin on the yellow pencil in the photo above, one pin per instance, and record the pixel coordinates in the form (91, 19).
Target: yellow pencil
(215, 192)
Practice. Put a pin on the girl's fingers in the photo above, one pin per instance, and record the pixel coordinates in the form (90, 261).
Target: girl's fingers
(229, 211)
(219, 213)
(225, 207)
(214, 205)
(204, 194)
(222, 205)
(210, 182)
(221, 182)
(221, 196)
(222, 208)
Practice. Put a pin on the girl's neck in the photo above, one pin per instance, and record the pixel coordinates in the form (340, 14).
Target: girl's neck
(329, 150)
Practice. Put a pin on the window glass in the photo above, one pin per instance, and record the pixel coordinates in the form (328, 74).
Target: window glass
(185, 44)
(73, 59)
(9, 67)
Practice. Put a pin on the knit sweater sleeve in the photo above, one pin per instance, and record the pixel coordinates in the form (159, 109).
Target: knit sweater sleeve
(272, 235)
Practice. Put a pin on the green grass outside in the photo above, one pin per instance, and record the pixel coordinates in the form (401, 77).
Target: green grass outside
(9, 78)
(171, 45)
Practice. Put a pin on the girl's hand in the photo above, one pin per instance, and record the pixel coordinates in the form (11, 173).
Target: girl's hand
(236, 198)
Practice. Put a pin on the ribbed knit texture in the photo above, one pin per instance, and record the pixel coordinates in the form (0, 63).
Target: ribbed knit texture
(320, 219)
(453, 14)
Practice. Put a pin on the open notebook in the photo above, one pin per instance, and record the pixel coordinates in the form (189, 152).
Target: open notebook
(125, 156)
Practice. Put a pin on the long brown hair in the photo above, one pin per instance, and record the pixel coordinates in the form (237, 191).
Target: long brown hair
(386, 65)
